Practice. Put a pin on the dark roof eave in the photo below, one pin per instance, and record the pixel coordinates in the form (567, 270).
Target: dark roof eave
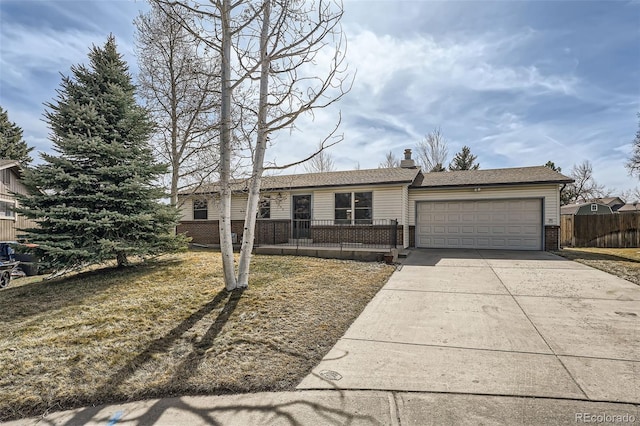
(296, 188)
(405, 182)
(475, 185)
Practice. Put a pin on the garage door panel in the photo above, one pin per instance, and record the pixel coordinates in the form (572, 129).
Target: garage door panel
(483, 217)
(483, 229)
(439, 207)
(489, 224)
(499, 230)
(499, 217)
(439, 218)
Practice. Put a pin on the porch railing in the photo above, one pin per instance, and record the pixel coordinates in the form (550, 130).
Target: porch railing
(379, 233)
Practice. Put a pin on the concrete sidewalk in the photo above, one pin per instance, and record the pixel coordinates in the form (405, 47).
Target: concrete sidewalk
(527, 324)
(345, 408)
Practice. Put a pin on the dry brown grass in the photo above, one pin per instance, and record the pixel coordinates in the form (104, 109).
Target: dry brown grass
(623, 262)
(168, 327)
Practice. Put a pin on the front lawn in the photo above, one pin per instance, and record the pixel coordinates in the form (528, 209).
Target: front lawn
(623, 262)
(168, 327)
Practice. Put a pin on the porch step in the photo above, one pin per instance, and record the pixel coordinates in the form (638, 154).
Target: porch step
(403, 254)
(300, 241)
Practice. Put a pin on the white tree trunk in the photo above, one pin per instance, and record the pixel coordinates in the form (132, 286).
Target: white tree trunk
(226, 244)
(253, 200)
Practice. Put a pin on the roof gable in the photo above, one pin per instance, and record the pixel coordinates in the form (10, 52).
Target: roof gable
(5, 164)
(12, 165)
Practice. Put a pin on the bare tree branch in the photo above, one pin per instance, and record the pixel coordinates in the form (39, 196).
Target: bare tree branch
(178, 86)
(390, 161)
(432, 152)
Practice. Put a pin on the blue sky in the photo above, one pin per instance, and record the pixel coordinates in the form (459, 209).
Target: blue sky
(519, 82)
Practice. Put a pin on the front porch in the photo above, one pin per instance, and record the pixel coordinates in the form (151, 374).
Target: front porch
(335, 251)
(380, 235)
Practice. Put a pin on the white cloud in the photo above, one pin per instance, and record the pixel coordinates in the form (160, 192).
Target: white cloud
(407, 86)
(441, 64)
(25, 51)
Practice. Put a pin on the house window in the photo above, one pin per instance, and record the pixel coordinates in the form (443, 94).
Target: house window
(354, 208)
(6, 209)
(363, 206)
(594, 207)
(343, 208)
(200, 209)
(264, 209)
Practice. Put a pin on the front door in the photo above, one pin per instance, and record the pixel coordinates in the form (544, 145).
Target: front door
(301, 215)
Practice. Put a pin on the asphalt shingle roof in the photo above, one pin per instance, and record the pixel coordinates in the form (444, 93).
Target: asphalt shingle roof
(326, 179)
(511, 176)
(398, 175)
(629, 207)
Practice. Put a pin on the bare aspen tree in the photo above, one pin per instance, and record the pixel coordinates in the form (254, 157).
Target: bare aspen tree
(211, 23)
(432, 152)
(274, 44)
(292, 34)
(178, 83)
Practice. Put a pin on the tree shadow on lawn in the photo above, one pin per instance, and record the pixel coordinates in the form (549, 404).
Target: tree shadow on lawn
(43, 296)
(587, 255)
(188, 366)
(106, 392)
(294, 411)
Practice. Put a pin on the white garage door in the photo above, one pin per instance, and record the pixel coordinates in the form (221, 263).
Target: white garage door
(486, 224)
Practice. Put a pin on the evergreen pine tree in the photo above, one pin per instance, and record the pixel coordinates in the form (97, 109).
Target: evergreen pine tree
(464, 160)
(97, 199)
(12, 146)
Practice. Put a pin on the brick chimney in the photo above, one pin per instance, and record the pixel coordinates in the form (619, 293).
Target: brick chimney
(407, 163)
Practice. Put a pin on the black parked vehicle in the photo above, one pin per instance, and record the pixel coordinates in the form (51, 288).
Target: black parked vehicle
(7, 263)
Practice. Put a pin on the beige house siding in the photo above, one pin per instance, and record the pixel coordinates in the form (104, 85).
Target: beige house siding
(7, 229)
(280, 209)
(10, 226)
(387, 201)
(549, 193)
(280, 205)
(322, 203)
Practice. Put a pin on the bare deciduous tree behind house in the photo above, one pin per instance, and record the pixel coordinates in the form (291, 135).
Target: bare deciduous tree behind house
(179, 82)
(321, 162)
(633, 165)
(390, 161)
(585, 188)
(432, 152)
(631, 195)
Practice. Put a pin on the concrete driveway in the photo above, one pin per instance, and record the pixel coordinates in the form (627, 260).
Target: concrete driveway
(493, 323)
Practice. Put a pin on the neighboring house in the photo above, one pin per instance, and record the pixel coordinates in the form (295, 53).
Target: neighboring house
(629, 208)
(583, 209)
(10, 222)
(614, 202)
(517, 208)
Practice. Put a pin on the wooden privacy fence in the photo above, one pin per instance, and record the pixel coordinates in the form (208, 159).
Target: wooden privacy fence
(611, 231)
